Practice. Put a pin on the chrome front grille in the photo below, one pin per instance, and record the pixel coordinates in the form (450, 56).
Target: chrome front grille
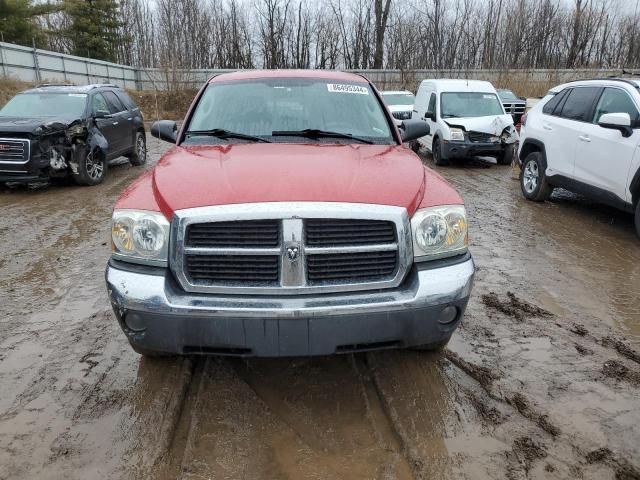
(514, 108)
(14, 150)
(288, 248)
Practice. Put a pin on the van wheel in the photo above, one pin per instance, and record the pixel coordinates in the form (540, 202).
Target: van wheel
(436, 152)
(638, 218)
(92, 169)
(507, 156)
(139, 155)
(533, 180)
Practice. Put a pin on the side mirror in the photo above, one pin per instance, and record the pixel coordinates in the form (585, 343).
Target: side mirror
(102, 114)
(413, 129)
(617, 121)
(166, 130)
(431, 116)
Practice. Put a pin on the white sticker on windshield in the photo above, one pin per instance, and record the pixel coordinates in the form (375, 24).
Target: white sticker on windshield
(487, 96)
(76, 95)
(338, 88)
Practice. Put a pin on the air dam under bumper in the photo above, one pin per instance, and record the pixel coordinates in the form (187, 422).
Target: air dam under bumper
(425, 309)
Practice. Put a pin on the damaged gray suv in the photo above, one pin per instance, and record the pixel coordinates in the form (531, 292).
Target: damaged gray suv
(65, 130)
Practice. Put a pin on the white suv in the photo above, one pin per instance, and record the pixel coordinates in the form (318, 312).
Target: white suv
(585, 136)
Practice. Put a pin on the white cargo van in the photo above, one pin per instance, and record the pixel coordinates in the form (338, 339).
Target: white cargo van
(466, 119)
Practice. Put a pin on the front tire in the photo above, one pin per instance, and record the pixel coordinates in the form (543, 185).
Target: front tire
(139, 155)
(92, 169)
(436, 152)
(507, 156)
(533, 180)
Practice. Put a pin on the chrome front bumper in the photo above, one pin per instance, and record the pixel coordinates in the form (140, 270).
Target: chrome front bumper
(156, 314)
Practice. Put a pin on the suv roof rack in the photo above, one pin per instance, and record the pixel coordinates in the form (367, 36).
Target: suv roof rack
(609, 79)
(55, 85)
(98, 85)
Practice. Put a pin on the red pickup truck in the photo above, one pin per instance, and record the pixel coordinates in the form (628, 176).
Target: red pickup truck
(288, 220)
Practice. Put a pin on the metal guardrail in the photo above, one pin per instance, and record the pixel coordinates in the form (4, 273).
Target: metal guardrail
(36, 65)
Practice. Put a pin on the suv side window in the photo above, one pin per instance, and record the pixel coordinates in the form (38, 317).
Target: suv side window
(99, 104)
(432, 105)
(126, 99)
(554, 102)
(615, 100)
(115, 105)
(579, 103)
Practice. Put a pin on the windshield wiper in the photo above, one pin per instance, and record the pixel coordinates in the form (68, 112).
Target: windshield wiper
(316, 133)
(222, 133)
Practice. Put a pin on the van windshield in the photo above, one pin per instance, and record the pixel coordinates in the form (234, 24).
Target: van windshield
(469, 104)
(268, 108)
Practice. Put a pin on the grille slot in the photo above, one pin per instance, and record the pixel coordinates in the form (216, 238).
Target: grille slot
(258, 269)
(245, 234)
(339, 232)
(480, 137)
(352, 267)
(14, 150)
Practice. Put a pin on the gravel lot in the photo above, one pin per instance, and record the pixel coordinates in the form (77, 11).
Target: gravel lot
(541, 381)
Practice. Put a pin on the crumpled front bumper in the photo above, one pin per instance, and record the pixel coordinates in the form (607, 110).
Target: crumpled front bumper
(466, 149)
(156, 314)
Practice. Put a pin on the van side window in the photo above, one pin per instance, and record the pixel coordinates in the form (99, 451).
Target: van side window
(431, 109)
(579, 103)
(554, 102)
(615, 100)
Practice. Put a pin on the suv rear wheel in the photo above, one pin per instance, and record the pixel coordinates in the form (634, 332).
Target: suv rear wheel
(139, 155)
(533, 180)
(92, 169)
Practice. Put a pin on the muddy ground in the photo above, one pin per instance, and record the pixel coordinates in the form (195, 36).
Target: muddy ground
(541, 381)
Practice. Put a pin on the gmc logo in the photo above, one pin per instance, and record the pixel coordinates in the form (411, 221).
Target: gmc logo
(4, 147)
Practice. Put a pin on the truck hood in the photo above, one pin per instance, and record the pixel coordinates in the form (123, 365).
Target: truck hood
(196, 176)
(34, 125)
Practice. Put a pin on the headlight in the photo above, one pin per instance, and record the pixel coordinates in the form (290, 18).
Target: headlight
(439, 232)
(457, 134)
(140, 236)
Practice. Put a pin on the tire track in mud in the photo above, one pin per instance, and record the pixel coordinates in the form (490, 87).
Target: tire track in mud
(179, 425)
(350, 424)
(381, 418)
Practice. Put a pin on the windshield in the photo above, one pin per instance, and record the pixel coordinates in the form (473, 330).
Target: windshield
(398, 98)
(45, 104)
(469, 104)
(507, 95)
(261, 107)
